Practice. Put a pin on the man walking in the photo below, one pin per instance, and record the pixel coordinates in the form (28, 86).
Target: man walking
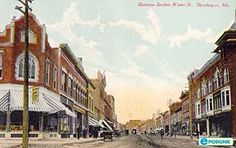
(162, 133)
(78, 131)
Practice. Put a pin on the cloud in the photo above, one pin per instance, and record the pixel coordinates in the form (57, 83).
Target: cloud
(179, 40)
(69, 20)
(150, 33)
(142, 50)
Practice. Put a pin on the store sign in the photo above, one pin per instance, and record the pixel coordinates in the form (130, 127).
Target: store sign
(215, 141)
(35, 95)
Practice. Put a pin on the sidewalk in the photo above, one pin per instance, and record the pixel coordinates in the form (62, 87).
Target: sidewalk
(52, 143)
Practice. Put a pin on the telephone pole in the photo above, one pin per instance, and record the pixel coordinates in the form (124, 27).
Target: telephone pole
(25, 136)
(191, 105)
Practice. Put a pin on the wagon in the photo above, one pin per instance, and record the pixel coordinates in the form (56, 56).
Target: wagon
(107, 134)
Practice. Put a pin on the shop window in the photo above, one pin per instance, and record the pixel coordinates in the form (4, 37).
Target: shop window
(47, 74)
(0, 64)
(55, 77)
(32, 70)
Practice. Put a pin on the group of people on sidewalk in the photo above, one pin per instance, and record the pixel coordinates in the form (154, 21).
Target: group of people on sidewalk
(84, 132)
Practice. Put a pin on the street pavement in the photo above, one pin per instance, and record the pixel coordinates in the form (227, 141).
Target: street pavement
(132, 141)
(140, 141)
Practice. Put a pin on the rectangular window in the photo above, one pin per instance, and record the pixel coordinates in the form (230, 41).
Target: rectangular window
(70, 86)
(47, 75)
(207, 105)
(211, 106)
(55, 77)
(227, 97)
(199, 109)
(63, 81)
(0, 64)
(223, 98)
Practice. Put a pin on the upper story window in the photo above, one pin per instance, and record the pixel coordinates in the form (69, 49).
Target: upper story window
(32, 37)
(63, 81)
(226, 75)
(217, 79)
(32, 70)
(70, 86)
(225, 96)
(55, 77)
(47, 72)
(0, 64)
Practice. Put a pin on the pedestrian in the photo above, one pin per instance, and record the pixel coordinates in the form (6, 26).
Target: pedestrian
(78, 131)
(162, 133)
(95, 132)
(85, 132)
(197, 132)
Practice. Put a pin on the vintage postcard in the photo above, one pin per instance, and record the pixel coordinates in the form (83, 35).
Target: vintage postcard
(117, 73)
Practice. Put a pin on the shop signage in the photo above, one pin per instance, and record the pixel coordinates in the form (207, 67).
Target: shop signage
(35, 95)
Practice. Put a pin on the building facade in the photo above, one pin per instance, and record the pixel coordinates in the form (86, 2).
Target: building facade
(176, 117)
(213, 89)
(58, 77)
(185, 112)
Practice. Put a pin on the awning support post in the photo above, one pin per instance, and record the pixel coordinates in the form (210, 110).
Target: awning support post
(41, 122)
(8, 114)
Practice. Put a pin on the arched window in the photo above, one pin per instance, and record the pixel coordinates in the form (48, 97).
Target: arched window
(33, 68)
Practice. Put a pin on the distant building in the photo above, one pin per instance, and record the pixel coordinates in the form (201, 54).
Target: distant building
(176, 117)
(185, 112)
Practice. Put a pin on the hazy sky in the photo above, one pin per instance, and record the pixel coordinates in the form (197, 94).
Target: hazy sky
(147, 52)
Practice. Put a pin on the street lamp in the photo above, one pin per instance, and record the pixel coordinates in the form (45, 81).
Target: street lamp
(25, 136)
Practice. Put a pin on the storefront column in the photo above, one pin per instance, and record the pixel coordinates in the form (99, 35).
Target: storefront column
(58, 125)
(208, 127)
(8, 115)
(41, 122)
(198, 128)
(8, 121)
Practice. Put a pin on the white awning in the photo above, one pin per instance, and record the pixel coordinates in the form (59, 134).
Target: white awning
(16, 102)
(94, 122)
(57, 106)
(106, 124)
(4, 100)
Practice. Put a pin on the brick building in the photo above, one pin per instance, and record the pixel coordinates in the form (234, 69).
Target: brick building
(62, 84)
(213, 89)
(185, 112)
(176, 117)
(166, 121)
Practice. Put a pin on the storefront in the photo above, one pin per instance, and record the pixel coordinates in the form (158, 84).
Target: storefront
(45, 114)
(218, 125)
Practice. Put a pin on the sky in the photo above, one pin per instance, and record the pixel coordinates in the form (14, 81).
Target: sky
(146, 52)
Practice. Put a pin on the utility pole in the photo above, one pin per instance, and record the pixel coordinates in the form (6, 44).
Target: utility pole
(25, 136)
(191, 105)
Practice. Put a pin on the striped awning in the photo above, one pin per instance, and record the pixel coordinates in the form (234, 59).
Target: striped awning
(94, 122)
(57, 106)
(16, 102)
(106, 124)
(4, 100)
